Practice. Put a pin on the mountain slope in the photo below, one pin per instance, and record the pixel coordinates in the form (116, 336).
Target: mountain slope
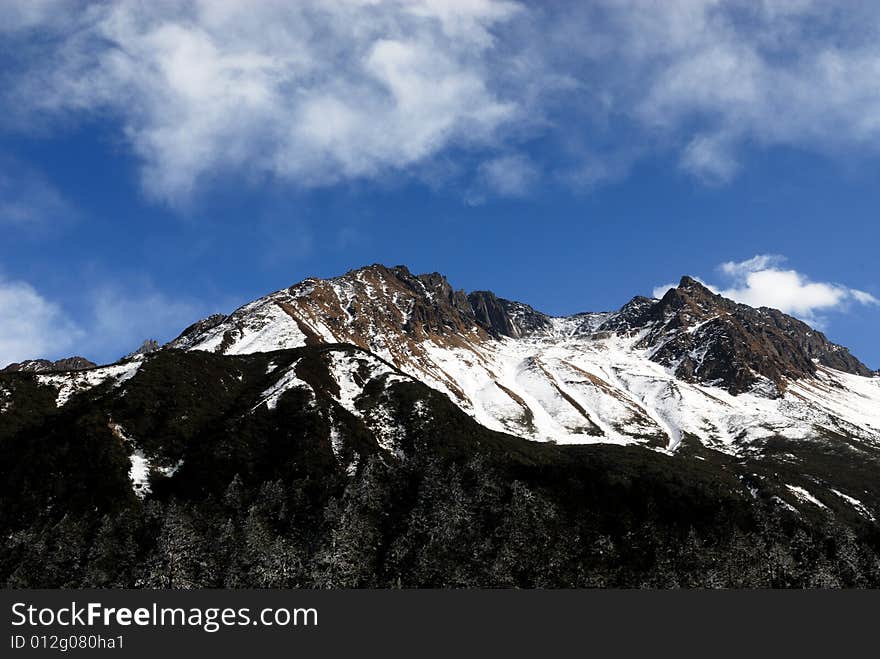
(325, 466)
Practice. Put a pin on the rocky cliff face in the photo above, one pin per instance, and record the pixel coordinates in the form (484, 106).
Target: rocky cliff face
(706, 338)
(502, 317)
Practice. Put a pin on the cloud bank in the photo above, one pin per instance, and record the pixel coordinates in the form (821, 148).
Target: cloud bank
(761, 282)
(314, 93)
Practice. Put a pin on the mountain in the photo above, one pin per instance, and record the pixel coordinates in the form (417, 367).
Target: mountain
(691, 364)
(373, 430)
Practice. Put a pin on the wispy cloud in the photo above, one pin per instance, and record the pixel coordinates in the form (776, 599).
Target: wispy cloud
(510, 176)
(315, 93)
(309, 92)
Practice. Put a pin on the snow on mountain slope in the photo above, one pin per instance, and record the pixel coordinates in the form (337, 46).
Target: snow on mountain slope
(566, 389)
(654, 372)
(69, 383)
(351, 373)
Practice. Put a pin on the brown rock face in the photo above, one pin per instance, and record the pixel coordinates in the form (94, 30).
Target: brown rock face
(708, 338)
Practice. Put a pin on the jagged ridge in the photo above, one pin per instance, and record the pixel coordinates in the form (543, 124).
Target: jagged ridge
(653, 371)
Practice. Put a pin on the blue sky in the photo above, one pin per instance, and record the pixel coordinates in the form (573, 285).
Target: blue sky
(163, 161)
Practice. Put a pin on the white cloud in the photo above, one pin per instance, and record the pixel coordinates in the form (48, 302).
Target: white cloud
(115, 321)
(862, 297)
(510, 176)
(709, 158)
(740, 269)
(761, 282)
(309, 92)
(506, 176)
(31, 325)
(711, 77)
(316, 93)
(788, 291)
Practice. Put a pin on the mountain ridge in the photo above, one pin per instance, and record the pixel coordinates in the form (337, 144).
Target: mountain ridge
(502, 317)
(655, 371)
(373, 430)
(617, 376)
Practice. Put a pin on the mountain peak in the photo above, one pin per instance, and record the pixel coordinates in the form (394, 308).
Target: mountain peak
(697, 334)
(695, 290)
(147, 347)
(646, 371)
(704, 336)
(688, 282)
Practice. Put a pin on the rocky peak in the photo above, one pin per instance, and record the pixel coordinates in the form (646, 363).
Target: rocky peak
(147, 347)
(502, 317)
(705, 337)
(690, 302)
(814, 343)
(435, 307)
(630, 316)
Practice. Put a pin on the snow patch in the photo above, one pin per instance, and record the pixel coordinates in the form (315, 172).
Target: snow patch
(68, 384)
(855, 503)
(288, 380)
(804, 495)
(139, 471)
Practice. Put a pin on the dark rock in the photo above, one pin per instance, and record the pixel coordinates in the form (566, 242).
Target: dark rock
(147, 347)
(44, 365)
(502, 317)
(630, 315)
(705, 337)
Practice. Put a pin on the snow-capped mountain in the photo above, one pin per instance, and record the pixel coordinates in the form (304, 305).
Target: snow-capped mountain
(692, 364)
(372, 430)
